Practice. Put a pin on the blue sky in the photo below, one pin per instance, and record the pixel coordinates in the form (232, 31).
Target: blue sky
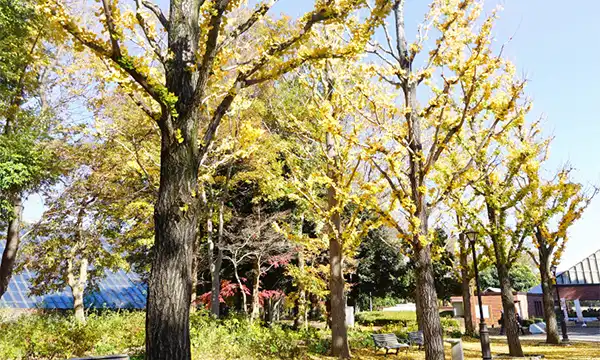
(555, 44)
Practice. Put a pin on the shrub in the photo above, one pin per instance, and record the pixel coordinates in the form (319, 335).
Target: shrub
(55, 336)
(530, 321)
(447, 313)
(48, 336)
(451, 326)
(591, 313)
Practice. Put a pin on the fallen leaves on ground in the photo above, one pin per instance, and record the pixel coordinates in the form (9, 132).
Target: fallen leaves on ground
(472, 351)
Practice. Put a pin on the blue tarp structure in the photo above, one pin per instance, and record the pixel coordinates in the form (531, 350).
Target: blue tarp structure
(118, 290)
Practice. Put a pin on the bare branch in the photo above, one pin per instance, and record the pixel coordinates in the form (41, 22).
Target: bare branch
(110, 25)
(158, 12)
(204, 70)
(258, 13)
(151, 40)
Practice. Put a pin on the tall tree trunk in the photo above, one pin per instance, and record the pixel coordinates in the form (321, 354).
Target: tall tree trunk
(466, 284)
(510, 313)
(495, 217)
(176, 226)
(339, 330)
(214, 263)
(467, 293)
(428, 312)
(314, 307)
(430, 315)
(13, 238)
(176, 210)
(300, 319)
(268, 306)
(215, 290)
(418, 310)
(255, 289)
(552, 336)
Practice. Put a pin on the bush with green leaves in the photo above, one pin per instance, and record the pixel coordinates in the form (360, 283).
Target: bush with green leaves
(402, 322)
(381, 318)
(56, 336)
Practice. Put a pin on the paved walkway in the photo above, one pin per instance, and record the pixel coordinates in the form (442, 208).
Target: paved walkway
(591, 334)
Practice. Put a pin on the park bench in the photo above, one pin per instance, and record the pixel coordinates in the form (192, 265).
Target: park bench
(388, 342)
(416, 338)
(109, 357)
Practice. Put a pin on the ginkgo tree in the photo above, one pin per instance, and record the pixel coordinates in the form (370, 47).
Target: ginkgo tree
(334, 187)
(498, 187)
(463, 83)
(553, 206)
(186, 71)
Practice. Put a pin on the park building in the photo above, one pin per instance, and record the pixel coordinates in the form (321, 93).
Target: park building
(578, 288)
(528, 305)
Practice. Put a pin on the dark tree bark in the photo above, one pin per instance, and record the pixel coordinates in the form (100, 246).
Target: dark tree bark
(176, 210)
(466, 284)
(13, 238)
(313, 313)
(502, 263)
(418, 310)
(170, 283)
(339, 330)
(429, 316)
(510, 312)
(300, 317)
(467, 293)
(552, 336)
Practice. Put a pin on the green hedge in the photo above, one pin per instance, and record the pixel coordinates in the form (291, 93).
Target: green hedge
(402, 322)
(531, 321)
(381, 318)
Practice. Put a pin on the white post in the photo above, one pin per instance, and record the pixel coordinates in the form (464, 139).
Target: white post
(579, 311)
(563, 302)
(350, 316)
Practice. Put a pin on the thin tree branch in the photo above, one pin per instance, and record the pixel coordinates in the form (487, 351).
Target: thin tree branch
(158, 12)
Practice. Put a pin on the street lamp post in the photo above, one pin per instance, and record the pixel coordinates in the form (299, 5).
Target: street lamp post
(563, 321)
(484, 334)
